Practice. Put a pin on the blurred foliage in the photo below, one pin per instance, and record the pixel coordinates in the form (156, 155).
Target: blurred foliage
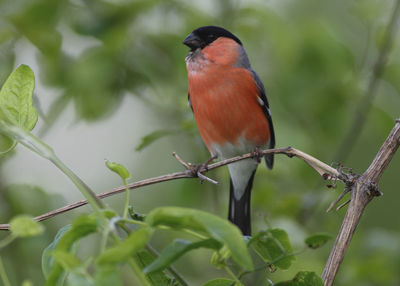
(315, 59)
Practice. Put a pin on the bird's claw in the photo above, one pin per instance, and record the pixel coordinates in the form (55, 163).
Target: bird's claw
(197, 170)
(257, 154)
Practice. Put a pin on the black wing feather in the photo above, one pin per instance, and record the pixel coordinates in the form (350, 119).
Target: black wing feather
(269, 159)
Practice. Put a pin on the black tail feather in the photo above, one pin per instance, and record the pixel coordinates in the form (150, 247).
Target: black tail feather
(239, 210)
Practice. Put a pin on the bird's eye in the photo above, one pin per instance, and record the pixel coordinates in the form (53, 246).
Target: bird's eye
(211, 37)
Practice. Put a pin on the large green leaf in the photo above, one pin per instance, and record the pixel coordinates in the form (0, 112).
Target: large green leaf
(136, 241)
(16, 98)
(16, 105)
(211, 225)
(176, 249)
(274, 247)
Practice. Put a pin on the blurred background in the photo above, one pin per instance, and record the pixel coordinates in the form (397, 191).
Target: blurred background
(110, 73)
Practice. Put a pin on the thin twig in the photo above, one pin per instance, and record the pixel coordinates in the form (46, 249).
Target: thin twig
(344, 204)
(289, 151)
(184, 164)
(333, 204)
(205, 178)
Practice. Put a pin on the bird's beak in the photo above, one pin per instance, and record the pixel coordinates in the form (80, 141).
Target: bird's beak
(192, 41)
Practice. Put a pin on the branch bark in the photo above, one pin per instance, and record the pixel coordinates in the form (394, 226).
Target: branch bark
(323, 169)
(364, 189)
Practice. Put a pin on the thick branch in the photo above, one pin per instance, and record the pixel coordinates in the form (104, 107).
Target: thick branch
(385, 155)
(362, 192)
(323, 169)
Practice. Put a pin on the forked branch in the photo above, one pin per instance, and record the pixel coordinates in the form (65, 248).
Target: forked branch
(363, 190)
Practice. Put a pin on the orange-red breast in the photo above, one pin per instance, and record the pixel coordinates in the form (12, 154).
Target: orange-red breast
(231, 110)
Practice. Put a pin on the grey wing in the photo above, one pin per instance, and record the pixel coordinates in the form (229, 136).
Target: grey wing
(269, 159)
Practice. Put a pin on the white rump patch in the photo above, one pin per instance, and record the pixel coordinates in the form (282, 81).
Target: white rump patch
(240, 174)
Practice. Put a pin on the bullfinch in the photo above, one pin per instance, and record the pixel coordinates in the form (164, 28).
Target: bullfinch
(231, 110)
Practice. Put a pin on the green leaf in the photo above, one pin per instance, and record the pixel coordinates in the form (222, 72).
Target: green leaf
(16, 106)
(145, 258)
(176, 249)
(152, 137)
(81, 227)
(317, 240)
(274, 247)
(107, 275)
(16, 99)
(119, 169)
(47, 258)
(136, 241)
(214, 226)
(220, 282)
(67, 260)
(303, 278)
(25, 226)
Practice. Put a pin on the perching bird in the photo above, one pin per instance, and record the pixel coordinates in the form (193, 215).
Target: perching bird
(231, 110)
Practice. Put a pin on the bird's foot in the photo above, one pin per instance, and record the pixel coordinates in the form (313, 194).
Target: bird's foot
(257, 154)
(197, 170)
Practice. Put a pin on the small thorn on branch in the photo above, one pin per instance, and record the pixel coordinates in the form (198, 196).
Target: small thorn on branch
(342, 205)
(334, 203)
(180, 160)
